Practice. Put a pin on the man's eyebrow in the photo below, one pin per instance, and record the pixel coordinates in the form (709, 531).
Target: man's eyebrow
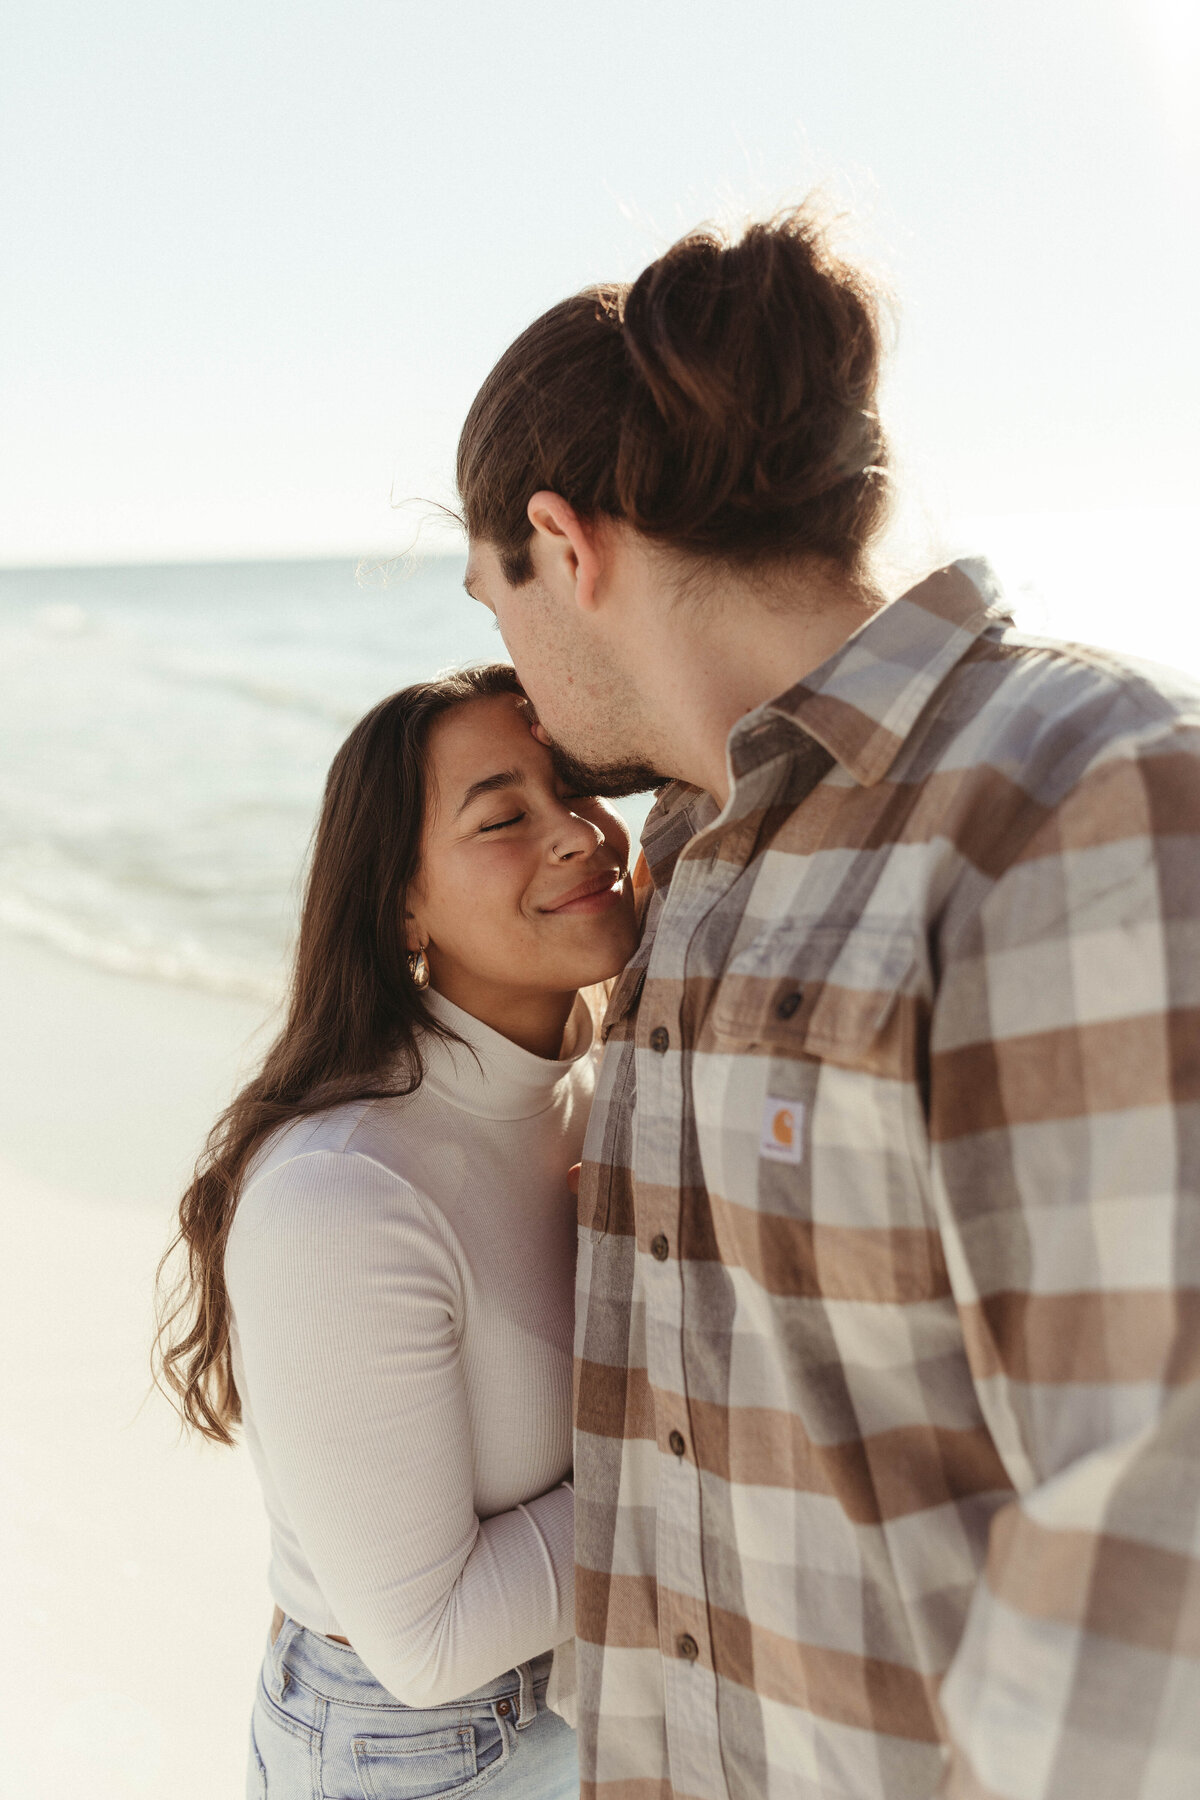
(490, 784)
(467, 580)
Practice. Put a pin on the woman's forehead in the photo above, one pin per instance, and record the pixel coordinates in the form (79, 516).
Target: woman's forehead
(479, 739)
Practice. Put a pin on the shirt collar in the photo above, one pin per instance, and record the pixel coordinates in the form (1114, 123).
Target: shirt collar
(861, 703)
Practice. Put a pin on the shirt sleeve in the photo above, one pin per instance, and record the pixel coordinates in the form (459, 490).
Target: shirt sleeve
(346, 1295)
(1065, 1116)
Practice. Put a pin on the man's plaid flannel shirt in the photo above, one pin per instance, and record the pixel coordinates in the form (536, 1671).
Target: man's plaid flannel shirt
(888, 1420)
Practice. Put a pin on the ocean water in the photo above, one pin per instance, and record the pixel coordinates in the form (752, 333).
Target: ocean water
(164, 737)
(165, 732)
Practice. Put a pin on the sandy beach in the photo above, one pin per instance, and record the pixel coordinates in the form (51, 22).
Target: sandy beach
(136, 1604)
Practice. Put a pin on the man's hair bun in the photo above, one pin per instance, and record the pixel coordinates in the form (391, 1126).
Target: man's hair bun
(723, 404)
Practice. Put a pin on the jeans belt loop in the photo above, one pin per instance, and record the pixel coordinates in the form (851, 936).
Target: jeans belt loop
(527, 1705)
(279, 1675)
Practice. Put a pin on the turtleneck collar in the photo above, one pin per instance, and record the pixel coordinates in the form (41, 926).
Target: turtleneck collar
(487, 1073)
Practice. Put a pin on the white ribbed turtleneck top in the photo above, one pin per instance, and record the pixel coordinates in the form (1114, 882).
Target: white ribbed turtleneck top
(400, 1277)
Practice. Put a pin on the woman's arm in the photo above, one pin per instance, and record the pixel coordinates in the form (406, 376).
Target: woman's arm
(345, 1290)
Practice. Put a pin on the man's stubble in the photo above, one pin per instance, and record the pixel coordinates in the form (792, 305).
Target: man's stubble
(599, 696)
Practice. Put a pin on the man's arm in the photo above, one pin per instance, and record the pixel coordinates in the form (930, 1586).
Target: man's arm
(1065, 1117)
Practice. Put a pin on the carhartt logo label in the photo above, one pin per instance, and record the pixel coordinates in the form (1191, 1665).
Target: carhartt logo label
(782, 1135)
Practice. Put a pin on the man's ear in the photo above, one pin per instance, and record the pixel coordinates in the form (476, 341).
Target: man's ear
(566, 549)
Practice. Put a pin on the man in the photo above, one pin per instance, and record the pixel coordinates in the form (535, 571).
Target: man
(888, 1419)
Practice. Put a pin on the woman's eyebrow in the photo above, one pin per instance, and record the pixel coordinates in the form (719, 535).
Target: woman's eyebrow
(491, 784)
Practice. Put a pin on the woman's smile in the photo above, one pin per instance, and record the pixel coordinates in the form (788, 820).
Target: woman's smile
(603, 891)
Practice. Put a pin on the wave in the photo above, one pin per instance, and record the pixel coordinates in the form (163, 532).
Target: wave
(184, 963)
(164, 740)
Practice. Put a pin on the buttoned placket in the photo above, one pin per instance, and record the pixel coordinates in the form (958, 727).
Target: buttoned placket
(700, 880)
(689, 1681)
(698, 883)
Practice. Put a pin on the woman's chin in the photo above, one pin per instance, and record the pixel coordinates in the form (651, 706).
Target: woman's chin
(599, 960)
(606, 963)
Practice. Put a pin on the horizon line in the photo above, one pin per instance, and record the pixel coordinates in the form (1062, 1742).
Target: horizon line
(229, 560)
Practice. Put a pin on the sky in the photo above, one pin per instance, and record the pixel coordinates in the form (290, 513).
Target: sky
(257, 256)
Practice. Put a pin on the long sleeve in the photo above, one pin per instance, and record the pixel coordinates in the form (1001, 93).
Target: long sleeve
(346, 1297)
(1065, 1114)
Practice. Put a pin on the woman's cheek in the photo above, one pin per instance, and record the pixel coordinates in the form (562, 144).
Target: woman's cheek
(498, 882)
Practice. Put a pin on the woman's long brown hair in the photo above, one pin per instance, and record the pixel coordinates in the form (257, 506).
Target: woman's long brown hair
(354, 1021)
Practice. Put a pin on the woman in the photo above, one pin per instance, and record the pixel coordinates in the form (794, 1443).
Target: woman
(380, 1246)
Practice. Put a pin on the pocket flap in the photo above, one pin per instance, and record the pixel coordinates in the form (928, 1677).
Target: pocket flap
(817, 991)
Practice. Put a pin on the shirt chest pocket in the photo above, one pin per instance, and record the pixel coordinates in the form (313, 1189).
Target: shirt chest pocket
(849, 997)
(810, 1116)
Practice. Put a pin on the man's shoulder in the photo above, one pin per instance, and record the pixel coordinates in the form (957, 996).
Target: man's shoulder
(1056, 674)
(1043, 710)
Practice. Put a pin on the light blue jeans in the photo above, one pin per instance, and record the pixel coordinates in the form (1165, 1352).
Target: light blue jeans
(324, 1729)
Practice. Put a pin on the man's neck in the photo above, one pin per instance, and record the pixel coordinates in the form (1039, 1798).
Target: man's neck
(736, 651)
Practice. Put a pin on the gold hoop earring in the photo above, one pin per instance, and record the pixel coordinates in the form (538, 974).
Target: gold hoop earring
(418, 968)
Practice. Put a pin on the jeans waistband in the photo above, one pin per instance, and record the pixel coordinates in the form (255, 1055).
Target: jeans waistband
(337, 1672)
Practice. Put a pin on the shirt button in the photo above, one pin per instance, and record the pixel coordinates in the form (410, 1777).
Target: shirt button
(659, 1248)
(688, 1648)
(788, 1005)
(660, 1039)
(676, 1442)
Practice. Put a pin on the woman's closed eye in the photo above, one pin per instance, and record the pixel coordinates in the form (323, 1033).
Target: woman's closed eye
(515, 818)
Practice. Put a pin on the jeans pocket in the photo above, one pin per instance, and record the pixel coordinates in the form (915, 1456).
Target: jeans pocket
(428, 1764)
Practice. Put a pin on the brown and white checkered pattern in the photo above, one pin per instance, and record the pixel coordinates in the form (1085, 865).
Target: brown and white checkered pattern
(888, 1418)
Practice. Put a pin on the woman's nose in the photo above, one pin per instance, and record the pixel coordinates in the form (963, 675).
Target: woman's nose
(574, 837)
